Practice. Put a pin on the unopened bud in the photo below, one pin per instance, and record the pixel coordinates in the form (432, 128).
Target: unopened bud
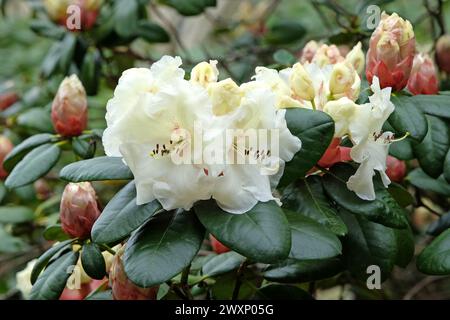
(309, 51)
(344, 81)
(78, 209)
(391, 52)
(443, 53)
(7, 99)
(356, 58)
(5, 147)
(123, 288)
(301, 83)
(326, 55)
(205, 73)
(341, 111)
(225, 96)
(88, 11)
(396, 169)
(69, 108)
(423, 78)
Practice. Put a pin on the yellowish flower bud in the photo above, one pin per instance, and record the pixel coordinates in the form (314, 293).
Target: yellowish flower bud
(309, 51)
(356, 58)
(326, 55)
(205, 73)
(344, 81)
(301, 83)
(341, 111)
(225, 96)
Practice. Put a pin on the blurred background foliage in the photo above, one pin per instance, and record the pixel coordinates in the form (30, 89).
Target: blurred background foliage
(36, 53)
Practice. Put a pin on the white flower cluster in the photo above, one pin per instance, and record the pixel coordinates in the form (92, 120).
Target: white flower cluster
(154, 115)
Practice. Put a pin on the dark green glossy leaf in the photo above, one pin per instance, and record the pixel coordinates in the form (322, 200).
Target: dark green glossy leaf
(93, 261)
(37, 119)
(126, 14)
(97, 169)
(292, 271)
(284, 32)
(438, 226)
(384, 209)
(121, 216)
(23, 148)
(261, 234)
(407, 117)
(151, 32)
(435, 258)
(55, 233)
(34, 165)
(307, 197)
(161, 248)
(435, 105)
(90, 71)
(447, 167)
(52, 281)
(43, 260)
(315, 129)
(11, 244)
(432, 150)
(421, 180)
(401, 195)
(310, 240)
(222, 263)
(402, 150)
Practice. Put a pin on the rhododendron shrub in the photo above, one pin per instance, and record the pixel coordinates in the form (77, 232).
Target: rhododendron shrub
(143, 174)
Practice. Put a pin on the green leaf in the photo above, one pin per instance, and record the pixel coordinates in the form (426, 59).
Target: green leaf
(43, 260)
(36, 119)
(52, 281)
(284, 57)
(190, 8)
(97, 169)
(315, 129)
(222, 263)
(405, 246)
(402, 150)
(51, 60)
(284, 32)
(368, 243)
(93, 262)
(23, 148)
(84, 149)
(438, 226)
(66, 51)
(3, 192)
(435, 105)
(151, 32)
(384, 209)
(307, 197)
(161, 248)
(407, 117)
(421, 180)
(432, 150)
(447, 167)
(122, 215)
(34, 165)
(90, 71)
(46, 28)
(401, 195)
(126, 16)
(261, 234)
(224, 286)
(435, 258)
(15, 214)
(282, 292)
(310, 240)
(55, 233)
(291, 271)
(11, 244)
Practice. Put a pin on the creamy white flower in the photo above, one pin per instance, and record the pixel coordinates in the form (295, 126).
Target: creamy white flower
(23, 279)
(156, 117)
(240, 186)
(371, 145)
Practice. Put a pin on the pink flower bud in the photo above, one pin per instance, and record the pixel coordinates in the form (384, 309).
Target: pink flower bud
(123, 288)
(5, 147)
(396, 169)
(78, 209)
(391, 52)
(69, 108)
(423, 78)
(7, 99)
(309, 51)
(88, 9)
(334, 154)
(327, 54)
(443, 53)
(217, 246)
